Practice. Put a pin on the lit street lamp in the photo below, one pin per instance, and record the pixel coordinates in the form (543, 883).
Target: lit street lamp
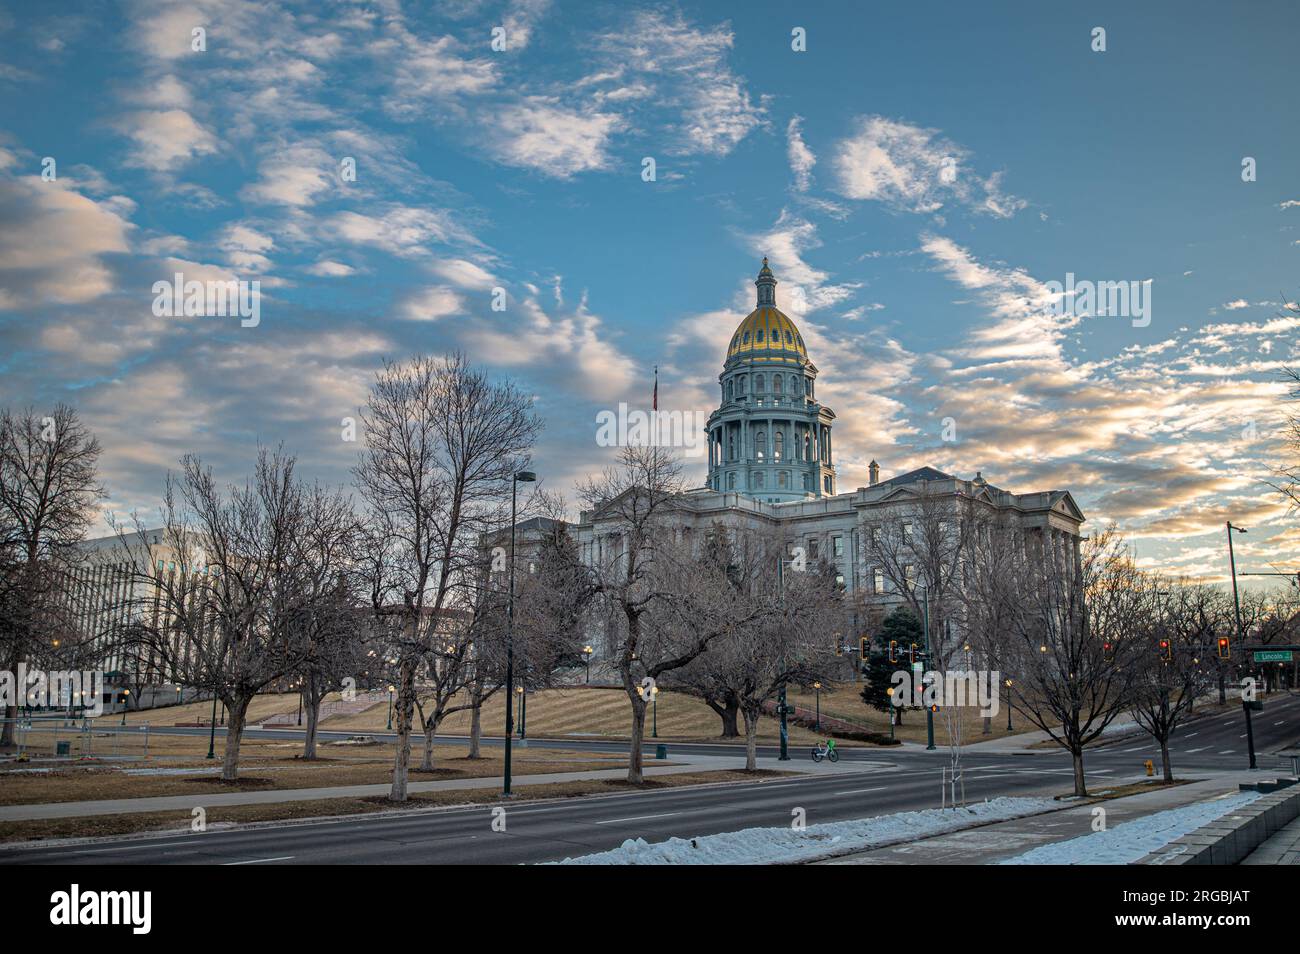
(1009, 684)
(817, 688)
(125, 693)
(390, 707)
(586, 660)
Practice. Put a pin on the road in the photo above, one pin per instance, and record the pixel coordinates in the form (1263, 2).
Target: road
(888, 781)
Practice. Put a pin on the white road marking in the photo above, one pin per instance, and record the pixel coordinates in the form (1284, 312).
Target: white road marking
(1227, 751)
(615, 821)
(1279, 723)
(257, 861)
(862, 791)
(1138, 748)
(1194, 751)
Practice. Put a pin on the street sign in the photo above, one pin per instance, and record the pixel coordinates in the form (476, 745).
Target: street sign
(1272, 655)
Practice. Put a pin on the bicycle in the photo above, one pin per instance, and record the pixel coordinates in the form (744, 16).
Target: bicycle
(825, 750)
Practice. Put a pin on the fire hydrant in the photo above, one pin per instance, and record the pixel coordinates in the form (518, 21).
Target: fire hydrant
(1151, 768)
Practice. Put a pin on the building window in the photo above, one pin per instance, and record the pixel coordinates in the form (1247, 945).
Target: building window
(728, 390)
(760, 445)
(758, 479)
(837, 547)
(783, 479)
(776, 384)
(877, 580)
(759, 386)
(740, 384)
(812, 549)
(779, 439)
(731, 481)
(827, 482)
(907, 532)
(807, 482)
(909, 574)
(746, 337)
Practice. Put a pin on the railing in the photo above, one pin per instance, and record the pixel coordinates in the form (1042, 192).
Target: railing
(65, 737)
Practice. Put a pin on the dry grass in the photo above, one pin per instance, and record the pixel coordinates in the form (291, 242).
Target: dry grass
(103, 825)
(270, 764)
(842, 701)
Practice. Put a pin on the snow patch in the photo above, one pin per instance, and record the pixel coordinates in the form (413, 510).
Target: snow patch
(1132, 840)
(759, 846)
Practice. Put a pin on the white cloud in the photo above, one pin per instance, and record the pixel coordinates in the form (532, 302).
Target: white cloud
(165, 139)
(430, 304)
(800, 156)
(913, 169)
(540, 134)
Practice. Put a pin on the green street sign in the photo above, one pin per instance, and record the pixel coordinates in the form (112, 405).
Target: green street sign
(1272, 655)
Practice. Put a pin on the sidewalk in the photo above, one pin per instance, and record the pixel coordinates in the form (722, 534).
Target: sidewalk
(1282, 848)
(162, 803)
(994, 843)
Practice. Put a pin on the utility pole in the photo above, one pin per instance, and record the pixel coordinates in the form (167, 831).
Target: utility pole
(929, 710)
(527, 476)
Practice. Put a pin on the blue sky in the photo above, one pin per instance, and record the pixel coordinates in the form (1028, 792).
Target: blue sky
(921, 297)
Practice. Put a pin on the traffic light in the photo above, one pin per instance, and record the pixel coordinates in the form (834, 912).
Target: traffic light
(864, 647)
(913, 654)
(1166, 650)
(1225, 650)
(1108, 651)
(893, 650)
(934, 708)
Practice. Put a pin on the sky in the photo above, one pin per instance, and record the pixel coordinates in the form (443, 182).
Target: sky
(919, 176)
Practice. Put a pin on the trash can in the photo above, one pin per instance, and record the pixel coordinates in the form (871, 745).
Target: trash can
(62, 748)
(661, 751)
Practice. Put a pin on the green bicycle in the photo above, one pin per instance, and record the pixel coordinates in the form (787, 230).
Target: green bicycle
(825, 750)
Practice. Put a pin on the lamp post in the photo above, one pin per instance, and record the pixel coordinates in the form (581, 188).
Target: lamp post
(929, 710)
(300, 702)
(890, 692)
(390, 707)
(519, 709)
(212, 724)
(817, 688)
(526, 476)
(1232, 564)
(125, 694)
(1009, 684)
(586, 660)
(654, 712)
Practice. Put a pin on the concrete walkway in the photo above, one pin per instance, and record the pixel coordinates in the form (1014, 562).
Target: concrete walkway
(994, 843)
(1281, 848)
(163, 803)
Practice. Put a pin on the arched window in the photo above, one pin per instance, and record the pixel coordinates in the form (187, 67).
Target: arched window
(731, 445)
(740, 385)
(794, 385)
(729, 385)
(758, 335)
(731, 481)
(776, 384)
(758, 479)
(746, 337)
(759, 384)
(783, 480)
(779, 438)
(760, 445)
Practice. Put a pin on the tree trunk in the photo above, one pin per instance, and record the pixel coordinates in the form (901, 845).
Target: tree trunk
(634, 754)
(476, 723)
(313, 719)
(751, 740)
(430, 732)
(238, 709)
(729, 713)
(1164, 760)
(405, 709)
(11, 712)
(1080, 786)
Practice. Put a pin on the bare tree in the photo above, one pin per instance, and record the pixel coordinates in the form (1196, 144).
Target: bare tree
(48, 492)
(442, 443)
(796, 611)
(223, 613)
(1174, 671)
(1071, 636)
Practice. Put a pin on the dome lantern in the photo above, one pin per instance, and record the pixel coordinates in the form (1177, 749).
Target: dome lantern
(766, 283)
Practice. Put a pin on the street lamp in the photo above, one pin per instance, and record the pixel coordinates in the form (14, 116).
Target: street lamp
(817, 688)
(519, 709)
(1232, 564)
(890, 692)
(390, 707)
(586, 653)
(525, 476)
(125, 693)
(1009, 684)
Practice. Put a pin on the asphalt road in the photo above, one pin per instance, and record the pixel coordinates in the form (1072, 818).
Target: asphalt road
(889, 781)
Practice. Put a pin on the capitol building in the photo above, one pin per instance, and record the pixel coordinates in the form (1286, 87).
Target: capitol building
(771, 466)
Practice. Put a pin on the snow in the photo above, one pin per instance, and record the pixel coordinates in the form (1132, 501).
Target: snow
(1132, 840)
(757, 846)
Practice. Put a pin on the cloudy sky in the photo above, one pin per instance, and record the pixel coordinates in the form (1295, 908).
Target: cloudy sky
(918, 176)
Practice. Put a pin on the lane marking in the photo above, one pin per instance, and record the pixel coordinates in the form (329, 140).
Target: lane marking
(256, 861)
(615, 821)
(1227, 751)
(1194, 751)
(862, 791)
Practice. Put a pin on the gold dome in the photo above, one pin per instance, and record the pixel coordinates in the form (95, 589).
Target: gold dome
(767, 334)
